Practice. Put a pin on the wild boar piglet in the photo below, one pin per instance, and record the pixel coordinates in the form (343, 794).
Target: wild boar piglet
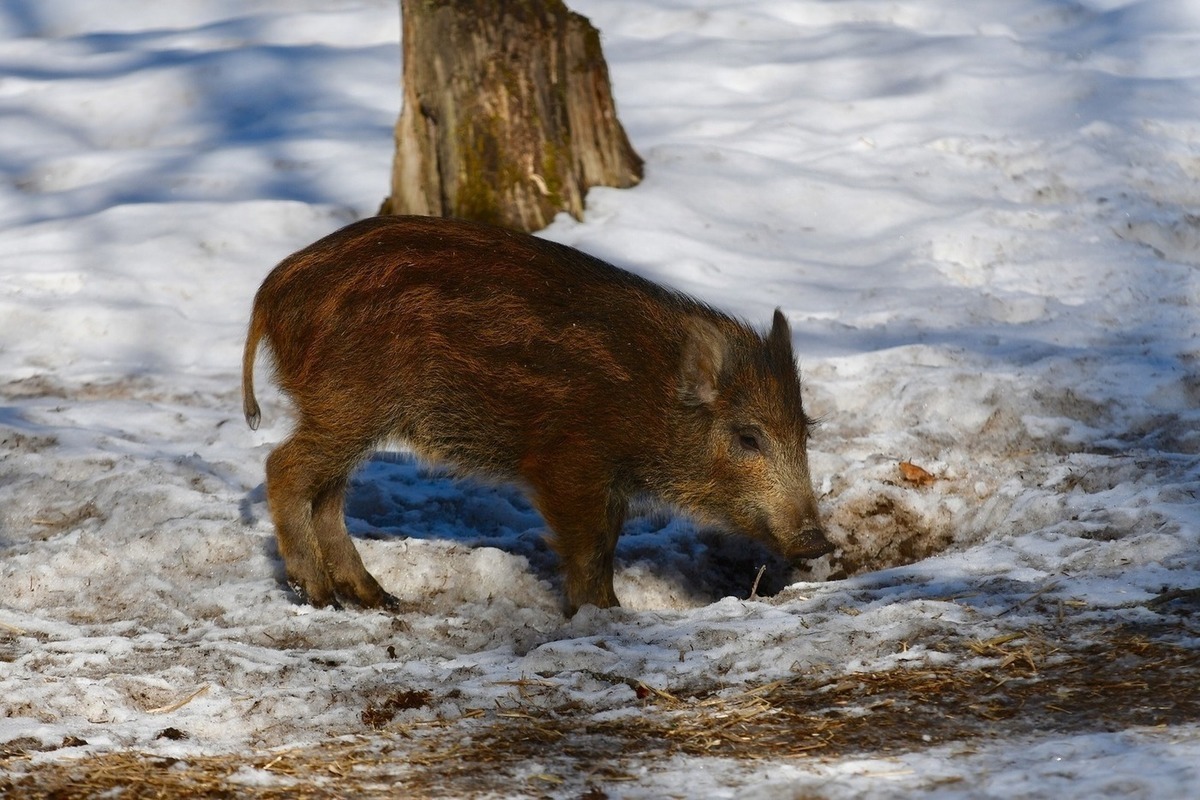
(510, 357)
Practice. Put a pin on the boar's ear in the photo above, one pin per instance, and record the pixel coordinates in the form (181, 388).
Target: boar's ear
(703, 358)
(779, 340)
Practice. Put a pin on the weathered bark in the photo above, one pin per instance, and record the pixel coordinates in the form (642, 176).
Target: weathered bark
(508, 114)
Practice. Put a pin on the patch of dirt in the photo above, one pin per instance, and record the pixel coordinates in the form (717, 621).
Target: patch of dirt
(1023, 684)
(12, 441)
(128, 387)
(884, 530)
(378, 716)
(54, 521)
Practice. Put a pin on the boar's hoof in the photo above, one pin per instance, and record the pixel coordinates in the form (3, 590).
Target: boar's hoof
(380, 599)
(304, 597)
(389, 602)
(342, 600)
(810, 543)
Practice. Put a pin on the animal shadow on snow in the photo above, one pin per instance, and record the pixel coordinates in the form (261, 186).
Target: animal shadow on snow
(393, 496)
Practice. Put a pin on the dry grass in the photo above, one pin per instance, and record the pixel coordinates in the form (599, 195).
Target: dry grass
(1027, 685)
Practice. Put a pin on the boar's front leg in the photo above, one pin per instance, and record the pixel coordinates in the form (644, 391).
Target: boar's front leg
(306, 484)
(586, 525)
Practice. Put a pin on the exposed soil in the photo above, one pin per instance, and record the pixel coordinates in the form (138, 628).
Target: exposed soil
(1031, 683)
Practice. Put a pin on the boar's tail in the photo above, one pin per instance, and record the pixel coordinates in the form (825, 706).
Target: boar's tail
(249, 403)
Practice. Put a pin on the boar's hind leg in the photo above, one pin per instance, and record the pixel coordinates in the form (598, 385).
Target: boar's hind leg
(351, 581)
(290, 498)
(306, 479)
(586, 531)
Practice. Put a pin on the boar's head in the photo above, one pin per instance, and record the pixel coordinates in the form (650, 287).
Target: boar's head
(743, 447)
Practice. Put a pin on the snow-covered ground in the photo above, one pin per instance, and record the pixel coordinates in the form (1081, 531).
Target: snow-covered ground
(983, 220)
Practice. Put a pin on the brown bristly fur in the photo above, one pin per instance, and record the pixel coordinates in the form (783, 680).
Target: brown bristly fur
(520, 359)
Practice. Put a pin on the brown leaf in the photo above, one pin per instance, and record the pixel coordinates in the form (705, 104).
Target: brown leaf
(914, 474)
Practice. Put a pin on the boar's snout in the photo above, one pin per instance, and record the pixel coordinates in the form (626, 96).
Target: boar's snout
(809, 543)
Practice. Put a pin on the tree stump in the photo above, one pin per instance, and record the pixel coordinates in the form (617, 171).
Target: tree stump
(508, 114)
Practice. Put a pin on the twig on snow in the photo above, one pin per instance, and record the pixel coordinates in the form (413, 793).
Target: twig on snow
(757, 578)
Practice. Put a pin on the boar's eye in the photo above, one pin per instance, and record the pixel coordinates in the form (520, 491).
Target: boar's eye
(750, 441)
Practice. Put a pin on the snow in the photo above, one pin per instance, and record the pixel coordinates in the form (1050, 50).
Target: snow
(981, 219)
